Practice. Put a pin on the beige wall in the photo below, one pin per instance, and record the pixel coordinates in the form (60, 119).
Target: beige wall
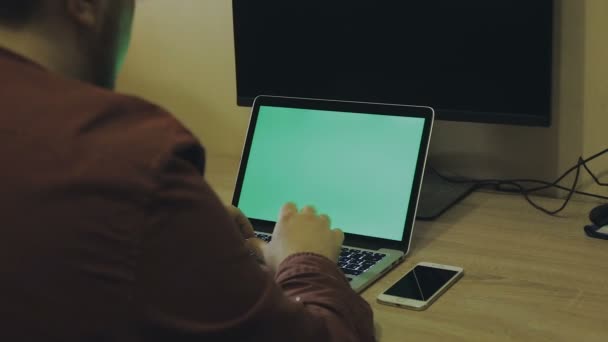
(182, 57)
(595, 127)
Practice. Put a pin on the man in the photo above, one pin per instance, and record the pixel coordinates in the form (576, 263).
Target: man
(110, 233)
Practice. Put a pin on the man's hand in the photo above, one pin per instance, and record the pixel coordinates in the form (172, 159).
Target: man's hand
(254, 244)
(300, 232)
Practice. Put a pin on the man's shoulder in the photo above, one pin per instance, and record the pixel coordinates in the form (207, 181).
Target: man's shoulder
(27, 89)
(132, 129)
(83, 121)
(124, 124)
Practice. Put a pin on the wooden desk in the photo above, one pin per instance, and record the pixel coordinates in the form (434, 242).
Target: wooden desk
(528, 276)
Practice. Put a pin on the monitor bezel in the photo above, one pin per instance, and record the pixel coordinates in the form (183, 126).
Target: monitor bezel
(446, 114)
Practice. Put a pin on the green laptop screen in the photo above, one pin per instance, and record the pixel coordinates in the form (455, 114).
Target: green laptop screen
(357, 168)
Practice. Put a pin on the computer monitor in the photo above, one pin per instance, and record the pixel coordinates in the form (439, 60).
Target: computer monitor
(471, 60)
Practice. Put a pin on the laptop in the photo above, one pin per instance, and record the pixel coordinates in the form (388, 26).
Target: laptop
(360, 163)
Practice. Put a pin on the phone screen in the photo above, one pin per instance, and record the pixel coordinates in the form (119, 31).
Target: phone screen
(421, 283)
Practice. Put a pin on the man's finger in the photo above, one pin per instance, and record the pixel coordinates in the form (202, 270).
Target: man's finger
(287, 210)
(309, 209)
(326, 218)
(339, 235)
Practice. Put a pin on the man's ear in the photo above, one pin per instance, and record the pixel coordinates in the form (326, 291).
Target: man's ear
(87, 13)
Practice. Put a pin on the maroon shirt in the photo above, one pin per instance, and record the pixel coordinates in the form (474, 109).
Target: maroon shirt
(110, 233)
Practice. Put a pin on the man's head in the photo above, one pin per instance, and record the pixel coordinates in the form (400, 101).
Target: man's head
(84, 39)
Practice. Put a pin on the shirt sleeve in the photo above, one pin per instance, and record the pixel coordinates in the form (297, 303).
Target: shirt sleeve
(196, 281)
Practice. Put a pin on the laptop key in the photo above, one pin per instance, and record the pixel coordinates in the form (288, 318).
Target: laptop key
(351, 272)
(368, 265)
(263, 237)
(352, 261)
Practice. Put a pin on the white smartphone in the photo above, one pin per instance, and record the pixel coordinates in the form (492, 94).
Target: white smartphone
(421, 285)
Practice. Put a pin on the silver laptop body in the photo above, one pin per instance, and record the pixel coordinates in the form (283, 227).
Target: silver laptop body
(360, 163)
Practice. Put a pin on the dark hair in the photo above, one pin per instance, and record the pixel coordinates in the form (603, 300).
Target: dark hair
(17, 11)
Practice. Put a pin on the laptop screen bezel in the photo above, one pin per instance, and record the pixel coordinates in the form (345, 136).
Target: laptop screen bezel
(351, 107)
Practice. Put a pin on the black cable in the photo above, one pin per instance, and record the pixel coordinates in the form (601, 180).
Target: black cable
(517, 187)
(498, 183)
(557, 186)
(574, 168)
(566, 201)
(596, 179)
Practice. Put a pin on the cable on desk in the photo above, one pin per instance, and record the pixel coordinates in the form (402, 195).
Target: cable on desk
(517, 185)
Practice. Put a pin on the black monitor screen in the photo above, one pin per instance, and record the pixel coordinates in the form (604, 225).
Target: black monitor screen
(471, 60)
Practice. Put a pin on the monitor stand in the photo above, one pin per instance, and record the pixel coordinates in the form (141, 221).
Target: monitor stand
(438, 195)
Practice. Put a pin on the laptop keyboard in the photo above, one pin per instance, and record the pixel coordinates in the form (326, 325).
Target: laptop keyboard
(263, 237)
(352, 261)
(355, 261)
